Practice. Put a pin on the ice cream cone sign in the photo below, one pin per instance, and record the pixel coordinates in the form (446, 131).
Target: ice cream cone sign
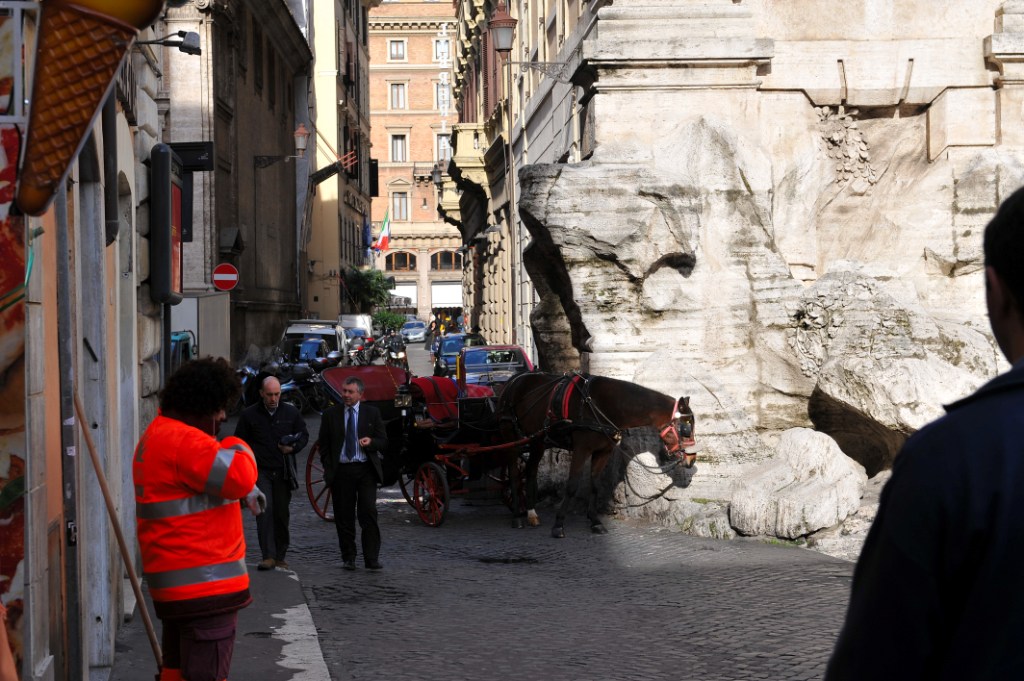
(80, 49)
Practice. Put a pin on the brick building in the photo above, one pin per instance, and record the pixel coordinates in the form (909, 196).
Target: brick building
(411, 114)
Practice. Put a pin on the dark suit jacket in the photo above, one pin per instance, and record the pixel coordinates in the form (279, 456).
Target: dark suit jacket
(332, 437)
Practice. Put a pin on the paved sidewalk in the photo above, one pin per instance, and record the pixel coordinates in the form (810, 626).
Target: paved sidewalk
(276, 638)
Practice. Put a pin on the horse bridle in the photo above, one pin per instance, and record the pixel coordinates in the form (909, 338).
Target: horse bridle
(677, 434)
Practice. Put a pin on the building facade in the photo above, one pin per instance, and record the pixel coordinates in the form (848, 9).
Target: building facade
(250, 198)
(337, 232)
(413, 113)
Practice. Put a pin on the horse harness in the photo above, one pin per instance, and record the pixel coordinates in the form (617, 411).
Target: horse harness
(560, 422)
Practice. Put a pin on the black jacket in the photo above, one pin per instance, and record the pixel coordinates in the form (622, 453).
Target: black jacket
(262, 432)
(332, 436)
(936, 594)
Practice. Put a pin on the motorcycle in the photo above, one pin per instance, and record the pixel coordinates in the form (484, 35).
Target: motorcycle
(395, 353)
(248, 377)
(303, 387)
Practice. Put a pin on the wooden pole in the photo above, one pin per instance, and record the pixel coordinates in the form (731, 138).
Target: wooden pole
(112, 514)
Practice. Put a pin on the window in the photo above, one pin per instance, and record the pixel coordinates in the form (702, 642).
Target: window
(444, 148)
(443, 95)
(400, 262)
(398, 95)
(399, 145)
(446, 260)
(396, 50)
(441, 50)
(257, 55)
(400, 206)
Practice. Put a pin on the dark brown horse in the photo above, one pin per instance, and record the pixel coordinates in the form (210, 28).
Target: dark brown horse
(587, 415)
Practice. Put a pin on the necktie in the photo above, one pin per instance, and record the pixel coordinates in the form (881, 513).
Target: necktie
(350, 435)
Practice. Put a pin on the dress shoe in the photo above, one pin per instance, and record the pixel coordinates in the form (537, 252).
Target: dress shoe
(374, 566)
(266, 564)
(349, 565)
(281, 564)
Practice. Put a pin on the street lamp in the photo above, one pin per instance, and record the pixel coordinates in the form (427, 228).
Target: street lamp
(301, 135)
(189, 43)
(502, 29)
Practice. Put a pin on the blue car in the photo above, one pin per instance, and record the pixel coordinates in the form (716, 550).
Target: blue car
(448, 351)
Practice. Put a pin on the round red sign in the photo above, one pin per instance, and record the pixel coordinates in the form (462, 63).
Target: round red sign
(225, 276)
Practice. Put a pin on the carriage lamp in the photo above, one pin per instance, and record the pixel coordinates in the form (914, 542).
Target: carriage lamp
(81, 46)
(403, 398)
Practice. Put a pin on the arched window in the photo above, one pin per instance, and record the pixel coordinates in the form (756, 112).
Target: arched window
(400, 262)
(446, 260)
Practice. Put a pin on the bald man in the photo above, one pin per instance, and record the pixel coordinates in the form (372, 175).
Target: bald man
(270, 428)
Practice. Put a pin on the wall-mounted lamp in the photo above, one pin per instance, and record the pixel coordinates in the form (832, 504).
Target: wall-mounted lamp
(301, 135)
(189, 43)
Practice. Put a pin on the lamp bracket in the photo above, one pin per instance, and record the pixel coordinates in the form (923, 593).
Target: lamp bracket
(555, 70)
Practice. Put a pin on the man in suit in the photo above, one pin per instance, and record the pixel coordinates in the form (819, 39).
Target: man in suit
(352, 469)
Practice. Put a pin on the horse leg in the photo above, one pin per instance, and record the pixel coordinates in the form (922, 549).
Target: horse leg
(572, 485)
(532, 465)
(599, 458)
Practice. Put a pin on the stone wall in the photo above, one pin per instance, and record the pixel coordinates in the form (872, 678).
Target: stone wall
(782, 219)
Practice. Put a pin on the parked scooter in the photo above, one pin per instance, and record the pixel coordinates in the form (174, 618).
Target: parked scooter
(249, 378)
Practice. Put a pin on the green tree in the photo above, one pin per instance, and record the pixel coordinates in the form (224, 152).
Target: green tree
(368, 288)
(386, 319)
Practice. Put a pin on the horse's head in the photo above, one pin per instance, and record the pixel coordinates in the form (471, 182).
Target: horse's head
(678, 434)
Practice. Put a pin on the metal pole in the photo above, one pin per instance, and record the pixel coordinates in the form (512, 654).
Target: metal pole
(512, 231)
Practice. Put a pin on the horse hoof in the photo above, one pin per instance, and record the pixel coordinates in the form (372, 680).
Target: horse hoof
(518, 524)
(599, 529)
(558, 533)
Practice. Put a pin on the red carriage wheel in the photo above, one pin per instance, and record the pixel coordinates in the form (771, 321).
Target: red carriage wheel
(430, 494)
(316, 489)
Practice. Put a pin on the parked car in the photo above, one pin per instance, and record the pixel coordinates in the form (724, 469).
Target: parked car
(414, 331)
(304, 349)
(491, 365)
(299, 329)
(448, 351)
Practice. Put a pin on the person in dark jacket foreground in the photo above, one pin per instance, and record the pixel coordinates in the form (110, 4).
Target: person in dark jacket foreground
(276, 432)
(936, 593)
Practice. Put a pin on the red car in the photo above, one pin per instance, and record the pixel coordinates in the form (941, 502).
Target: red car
(490, 365)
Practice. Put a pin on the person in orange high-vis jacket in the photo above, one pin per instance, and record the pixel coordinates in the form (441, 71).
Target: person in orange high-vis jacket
(187, 488)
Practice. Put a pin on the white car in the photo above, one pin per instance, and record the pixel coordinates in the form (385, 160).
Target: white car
(413, 332)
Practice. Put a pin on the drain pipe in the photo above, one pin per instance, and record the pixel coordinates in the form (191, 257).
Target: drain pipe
(74, 631)
(110, 180)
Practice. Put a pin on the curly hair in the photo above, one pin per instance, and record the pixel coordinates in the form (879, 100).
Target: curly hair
(201, 387)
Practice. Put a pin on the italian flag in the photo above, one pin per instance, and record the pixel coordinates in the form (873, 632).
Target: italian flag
(381, 244)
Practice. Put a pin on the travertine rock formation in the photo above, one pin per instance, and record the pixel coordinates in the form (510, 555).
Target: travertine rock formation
(791, 243)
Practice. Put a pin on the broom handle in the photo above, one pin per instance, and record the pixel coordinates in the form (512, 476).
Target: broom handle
(112, 514)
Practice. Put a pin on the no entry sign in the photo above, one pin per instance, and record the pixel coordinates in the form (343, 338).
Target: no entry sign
(225, 276)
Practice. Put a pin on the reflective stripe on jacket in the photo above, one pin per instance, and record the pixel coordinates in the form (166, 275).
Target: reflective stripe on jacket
(187, 487)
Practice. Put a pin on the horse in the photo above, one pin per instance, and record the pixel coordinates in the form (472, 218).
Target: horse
(587, 416)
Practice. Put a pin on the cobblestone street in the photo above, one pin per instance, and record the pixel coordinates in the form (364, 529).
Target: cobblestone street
(477, 599)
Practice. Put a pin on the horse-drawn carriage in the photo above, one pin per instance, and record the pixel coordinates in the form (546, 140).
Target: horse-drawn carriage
(443, 434)
(439, 437)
